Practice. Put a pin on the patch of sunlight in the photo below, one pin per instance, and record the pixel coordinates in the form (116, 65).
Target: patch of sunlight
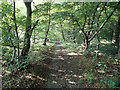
(54, 81)
(71, 71)
(1, 76)
(1, 61)
(67, 79)
(77, 76)
(36, 51)
(74, 75)
(101, 71)
(30, 77)
(61, 70)
(33, 77)
(64, 50)
(72, 53)
(67, 75)
(53, 75)
(41, 78)
(71, 82)
(60, 57)
(80, 53)
(57, 50)
(8, 72)
(80, 76)
(99, 53)
(110, 75)
(105, 42)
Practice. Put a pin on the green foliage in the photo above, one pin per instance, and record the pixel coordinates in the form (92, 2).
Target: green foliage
(18, 64)
(91, 78)
(68, 17)
(110, 83)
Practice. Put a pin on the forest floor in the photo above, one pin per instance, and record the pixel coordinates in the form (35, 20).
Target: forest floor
(66, 70)
(60, 68)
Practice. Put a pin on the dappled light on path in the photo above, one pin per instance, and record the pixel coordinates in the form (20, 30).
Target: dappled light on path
(65, 69)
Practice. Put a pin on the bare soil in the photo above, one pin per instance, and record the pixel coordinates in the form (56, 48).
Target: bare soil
(65, 69)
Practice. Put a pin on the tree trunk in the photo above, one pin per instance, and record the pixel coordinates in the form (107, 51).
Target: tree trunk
(28, 32)
(117, 32)
(73, 36)
(119, 60)
(16, 29)
(111, 35)
(13, 56)
(14, 48)
(86, 42)
(45, 40)
(115, 39)
(63, 35)
(74, 39)
(98, 37)
(119, 50)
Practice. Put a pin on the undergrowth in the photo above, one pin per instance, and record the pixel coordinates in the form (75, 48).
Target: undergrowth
(12, 70)
(102, 68)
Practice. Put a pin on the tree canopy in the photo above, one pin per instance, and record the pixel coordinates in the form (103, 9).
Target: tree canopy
(90, 29)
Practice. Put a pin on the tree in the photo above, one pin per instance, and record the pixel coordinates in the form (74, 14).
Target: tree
(28, 30)
(89, 38)
(118, 39)
(117, 33)
(49, 21)
(16, 29)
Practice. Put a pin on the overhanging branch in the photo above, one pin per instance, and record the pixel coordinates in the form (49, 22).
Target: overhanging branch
(34, 25)
(104, 22)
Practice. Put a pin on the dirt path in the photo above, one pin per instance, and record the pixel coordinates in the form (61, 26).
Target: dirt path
(65, 69)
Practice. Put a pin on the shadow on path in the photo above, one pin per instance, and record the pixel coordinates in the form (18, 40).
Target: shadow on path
(65, 69)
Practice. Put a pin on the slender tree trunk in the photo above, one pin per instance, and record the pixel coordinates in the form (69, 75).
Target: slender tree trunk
(28, 32)
(116, 32)
(73, 36)
(14, 53)
(16, 29)
(98, 37)
(119, 52)
(45, 40)
(14, 48)
(113, 38)
(74, 39)
(117, 36)
(111, 35)
(34, 38)
(63, 35)
(86, 42)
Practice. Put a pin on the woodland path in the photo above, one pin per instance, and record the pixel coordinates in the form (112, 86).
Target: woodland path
(66, 71)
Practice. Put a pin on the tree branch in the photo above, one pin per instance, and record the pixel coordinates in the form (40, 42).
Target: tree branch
(34, 25)
(100, 14)
(84, 24)
(104, 23)
(94, 14)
